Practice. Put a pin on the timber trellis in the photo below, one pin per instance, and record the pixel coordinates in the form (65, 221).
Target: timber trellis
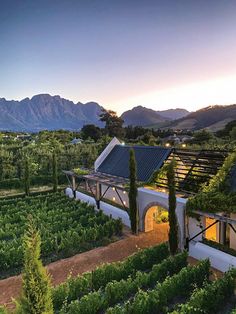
(194, 168)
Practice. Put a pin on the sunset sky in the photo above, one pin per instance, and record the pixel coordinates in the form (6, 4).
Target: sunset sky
(120, 53)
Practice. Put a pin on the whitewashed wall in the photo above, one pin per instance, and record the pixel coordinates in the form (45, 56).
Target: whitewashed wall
(108, 209)
(148, 197)
(112, 195)
(219, 260)
(69, 192)
(194, 228)
(115, 212)
(85, 198)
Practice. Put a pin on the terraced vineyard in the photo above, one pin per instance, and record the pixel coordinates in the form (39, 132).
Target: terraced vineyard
(149, 281)
(66, 227)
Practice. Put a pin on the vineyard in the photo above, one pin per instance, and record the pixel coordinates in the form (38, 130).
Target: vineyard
(150, 281)
(66, 227)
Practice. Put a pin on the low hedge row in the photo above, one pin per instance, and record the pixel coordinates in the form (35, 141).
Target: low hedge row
(157, 300)
(119, 291)
(75, 288)
(211, 298)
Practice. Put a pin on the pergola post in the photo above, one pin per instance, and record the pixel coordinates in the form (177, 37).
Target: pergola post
(74, 186)
(222, 227)
(98, 194)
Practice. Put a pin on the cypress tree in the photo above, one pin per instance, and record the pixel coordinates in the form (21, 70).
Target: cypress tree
(54, 171)
(27, 177)
(36, 297)
(173, 231)
(133, 208)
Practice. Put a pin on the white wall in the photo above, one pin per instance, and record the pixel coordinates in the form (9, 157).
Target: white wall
(218, 259)
(69, 192)
(106, 152)
(111, 194)
(233, 234)
(146, 197)
(115, 212)
(194, 228)
(108, 209)
(85, 198)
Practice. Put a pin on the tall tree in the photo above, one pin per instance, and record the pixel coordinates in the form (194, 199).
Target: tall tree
(91, 131)
(133, 191)
(54, 171)
(173, 231)
(27, 176)
(36, 297)
(113, 123)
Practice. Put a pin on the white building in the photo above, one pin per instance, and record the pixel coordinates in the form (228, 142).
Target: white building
(107, 189)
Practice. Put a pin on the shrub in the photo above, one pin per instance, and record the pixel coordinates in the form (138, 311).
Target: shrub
(211, 297)
(77, 287)
(36, 296)
(156, 301)
(118, 291)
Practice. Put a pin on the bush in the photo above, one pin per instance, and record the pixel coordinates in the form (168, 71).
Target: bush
(211, 297)
(118, 291)
(156, 301)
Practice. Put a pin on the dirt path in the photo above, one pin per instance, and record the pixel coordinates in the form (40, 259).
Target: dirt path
(60, 270)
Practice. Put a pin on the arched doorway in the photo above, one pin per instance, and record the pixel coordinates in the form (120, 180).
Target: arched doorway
(155, 219)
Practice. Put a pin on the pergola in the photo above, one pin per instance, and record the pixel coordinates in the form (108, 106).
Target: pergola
(93, 183)
(220, 219)
(194, 168)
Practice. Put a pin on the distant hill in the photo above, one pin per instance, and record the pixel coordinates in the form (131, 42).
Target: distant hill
(47, 112)
(213, 118)
(142, 116)
(173, 114)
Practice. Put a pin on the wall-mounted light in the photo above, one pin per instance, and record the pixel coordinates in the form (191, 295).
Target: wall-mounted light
(124, 202)
(167, 145)
(183, 145)
(113, 189)
(113, 198)
(124, 192)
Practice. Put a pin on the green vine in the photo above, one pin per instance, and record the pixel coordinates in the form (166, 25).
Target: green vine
(158, 174)
(80, 172)
(216, 197)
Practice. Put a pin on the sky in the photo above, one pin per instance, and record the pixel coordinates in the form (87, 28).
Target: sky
(120, 53)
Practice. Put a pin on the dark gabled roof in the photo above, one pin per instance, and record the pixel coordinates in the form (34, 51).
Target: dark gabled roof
(148, 158)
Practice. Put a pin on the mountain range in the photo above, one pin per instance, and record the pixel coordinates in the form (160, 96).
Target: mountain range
(142, 116)
(47, 112)
(44, 111)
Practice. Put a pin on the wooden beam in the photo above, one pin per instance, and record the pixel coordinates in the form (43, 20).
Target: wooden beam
(216, 216)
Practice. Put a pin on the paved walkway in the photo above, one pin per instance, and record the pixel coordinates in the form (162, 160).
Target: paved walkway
(60, 270)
